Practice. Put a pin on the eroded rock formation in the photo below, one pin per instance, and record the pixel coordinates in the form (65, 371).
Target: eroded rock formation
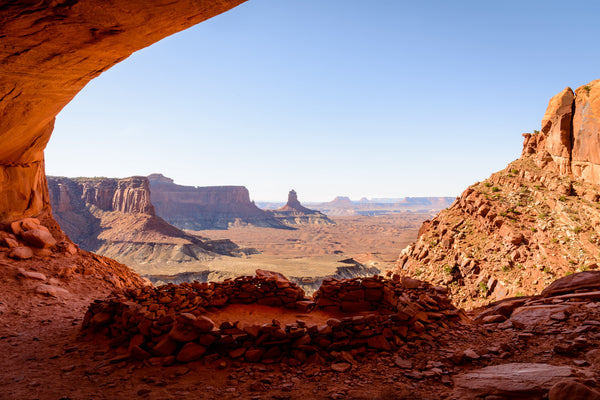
(50, 51)
(212, 207)
(570, 134)
(529, 224)
(294, 213)
(115, 218)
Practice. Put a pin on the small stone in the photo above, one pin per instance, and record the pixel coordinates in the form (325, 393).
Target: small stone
(379, 342)
(11, 243)
(559, 316)
(490, 319)
(204, 324)
(258, 387)
(39, 238)
(572, 390)
(137, 353)
(470, 353)
(508, 324)
(32, 275)
(49, 290)
(402, 363)
(21, 253)
(341, 367)
(68, 368)
(191, 352)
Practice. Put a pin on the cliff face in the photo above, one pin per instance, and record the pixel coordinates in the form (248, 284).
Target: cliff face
(533, 222)
(570, 134)
(50, 51)
(115, 218)
(294, 213)
(213, 207)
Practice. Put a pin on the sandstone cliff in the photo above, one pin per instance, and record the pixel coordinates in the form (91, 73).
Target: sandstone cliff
(50, 51)
(213, 207)
(294, 213)
(535, 221)
(115, 218)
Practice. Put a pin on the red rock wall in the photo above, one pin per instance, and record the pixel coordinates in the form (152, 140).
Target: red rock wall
(129, 195)
(50, 51)
(570, 135)
(211, 207)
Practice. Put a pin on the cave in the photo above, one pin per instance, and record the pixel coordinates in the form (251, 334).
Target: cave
(51, 50)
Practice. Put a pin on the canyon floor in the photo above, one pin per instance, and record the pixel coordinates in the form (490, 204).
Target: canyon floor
(306, 254)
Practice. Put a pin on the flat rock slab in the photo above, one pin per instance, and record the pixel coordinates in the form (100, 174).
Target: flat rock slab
(510, 381)
(587, 280)
(533, 315)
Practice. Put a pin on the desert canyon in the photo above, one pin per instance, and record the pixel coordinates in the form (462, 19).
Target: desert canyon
(498, 297)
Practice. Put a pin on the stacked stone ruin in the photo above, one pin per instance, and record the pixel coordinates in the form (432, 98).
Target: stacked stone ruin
(168, 324)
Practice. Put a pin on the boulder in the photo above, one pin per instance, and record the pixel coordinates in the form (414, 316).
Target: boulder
(534, 315)
(587, 280)
(191, 352)
(529, 381)
(38, 238)
(21, 253)
(572, 390)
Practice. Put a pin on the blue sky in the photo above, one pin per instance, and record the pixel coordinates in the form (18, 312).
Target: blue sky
(384, 98)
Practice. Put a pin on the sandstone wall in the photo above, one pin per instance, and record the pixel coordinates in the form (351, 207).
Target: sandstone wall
(570, 134)
(50, 51)
(211, 207)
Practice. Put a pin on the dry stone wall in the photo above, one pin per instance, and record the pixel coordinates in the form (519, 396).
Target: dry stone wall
(168, 324)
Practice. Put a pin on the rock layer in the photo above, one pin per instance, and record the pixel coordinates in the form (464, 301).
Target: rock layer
(212, 207)
(50, 51)
(115, 218)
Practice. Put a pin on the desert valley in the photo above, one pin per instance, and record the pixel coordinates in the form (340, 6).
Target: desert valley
(140, 287)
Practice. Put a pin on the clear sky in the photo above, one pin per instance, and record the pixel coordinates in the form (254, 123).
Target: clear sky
(382, 98)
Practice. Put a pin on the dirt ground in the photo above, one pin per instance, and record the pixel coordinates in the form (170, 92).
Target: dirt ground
(44, 356)
(314, 250)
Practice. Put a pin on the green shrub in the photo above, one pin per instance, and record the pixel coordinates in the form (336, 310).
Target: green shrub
(495, 189)
(577, 229)
(562, 198)
(487, 184)
(483, 288)
(536, 132)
